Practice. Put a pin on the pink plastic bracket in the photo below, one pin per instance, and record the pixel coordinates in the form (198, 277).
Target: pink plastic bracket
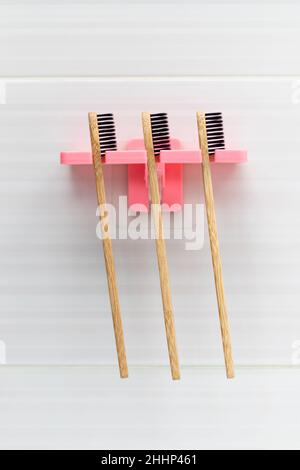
(169, 169)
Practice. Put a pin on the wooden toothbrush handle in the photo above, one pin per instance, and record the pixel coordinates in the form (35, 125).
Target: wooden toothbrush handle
(161, 249)
(214, 245)
(107, 247)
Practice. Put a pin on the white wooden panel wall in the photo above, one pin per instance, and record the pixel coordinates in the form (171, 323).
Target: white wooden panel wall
(147, 38)
(53, 262)
(59, 60)
(91, 408)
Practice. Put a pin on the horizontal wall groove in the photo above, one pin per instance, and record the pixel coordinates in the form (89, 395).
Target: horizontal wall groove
(146, 78)
(238, 367)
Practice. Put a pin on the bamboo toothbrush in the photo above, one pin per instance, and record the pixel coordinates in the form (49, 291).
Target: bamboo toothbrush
(155, 127)
(103, 137)
(211, 137)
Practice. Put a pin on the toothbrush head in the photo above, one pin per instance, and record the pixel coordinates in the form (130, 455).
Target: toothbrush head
(160, 132)
(107, 132)
(215, 132)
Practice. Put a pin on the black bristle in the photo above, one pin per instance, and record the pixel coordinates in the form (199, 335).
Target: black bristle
(107, 132)
(215, 133)
(160, 132)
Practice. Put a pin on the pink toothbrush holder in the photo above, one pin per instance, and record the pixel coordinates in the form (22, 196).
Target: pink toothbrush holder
(169, 168)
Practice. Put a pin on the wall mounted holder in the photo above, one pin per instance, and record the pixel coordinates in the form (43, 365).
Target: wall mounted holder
(169, 168)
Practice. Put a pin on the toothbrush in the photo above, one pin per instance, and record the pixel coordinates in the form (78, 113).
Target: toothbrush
(103, 137)
(211, 137)
(156, 137)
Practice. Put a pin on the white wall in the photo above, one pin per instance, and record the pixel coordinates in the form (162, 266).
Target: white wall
(60, 60)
